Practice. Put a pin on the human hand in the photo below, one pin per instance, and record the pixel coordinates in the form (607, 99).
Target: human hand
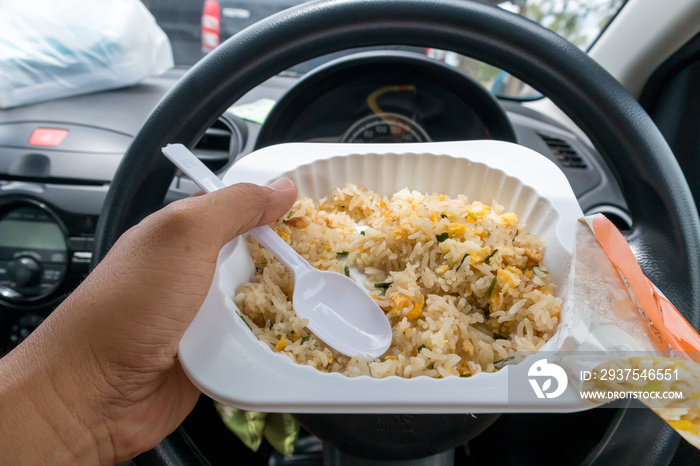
(99, 380)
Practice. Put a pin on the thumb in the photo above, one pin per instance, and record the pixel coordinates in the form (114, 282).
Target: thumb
(234, 210)
(205, 223)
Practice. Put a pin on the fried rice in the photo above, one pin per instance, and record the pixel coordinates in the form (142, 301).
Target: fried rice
(461, 282)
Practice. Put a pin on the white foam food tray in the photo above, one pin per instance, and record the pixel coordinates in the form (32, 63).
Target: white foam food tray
(227, 362)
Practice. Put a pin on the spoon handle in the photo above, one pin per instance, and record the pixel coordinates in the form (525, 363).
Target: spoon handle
(267, 237)
(209, 182)
(193, 167)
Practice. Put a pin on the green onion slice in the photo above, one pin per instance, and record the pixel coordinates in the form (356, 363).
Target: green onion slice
(462, 261)
(501, 363)
(245, 322)
(490, 288)
(488, 258)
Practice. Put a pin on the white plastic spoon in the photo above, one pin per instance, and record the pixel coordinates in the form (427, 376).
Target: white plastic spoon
(340, 313)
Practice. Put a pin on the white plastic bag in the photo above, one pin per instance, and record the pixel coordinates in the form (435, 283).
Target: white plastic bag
(51, 49)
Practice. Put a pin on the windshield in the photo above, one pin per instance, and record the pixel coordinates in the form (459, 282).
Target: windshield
(578, 21)
(195, 27)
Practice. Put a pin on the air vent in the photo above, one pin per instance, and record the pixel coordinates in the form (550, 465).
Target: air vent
(214, 149)
(565, 154)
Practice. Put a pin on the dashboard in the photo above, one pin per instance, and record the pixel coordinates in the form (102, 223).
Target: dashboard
(57, 158)
(389, 97)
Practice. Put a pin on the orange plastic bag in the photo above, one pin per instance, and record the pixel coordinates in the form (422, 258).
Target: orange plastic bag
(668, 331)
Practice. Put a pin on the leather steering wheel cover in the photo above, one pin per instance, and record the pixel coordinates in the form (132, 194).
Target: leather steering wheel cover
(666, 223)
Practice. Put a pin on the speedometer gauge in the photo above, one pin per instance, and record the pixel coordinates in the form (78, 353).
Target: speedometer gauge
(385, 127)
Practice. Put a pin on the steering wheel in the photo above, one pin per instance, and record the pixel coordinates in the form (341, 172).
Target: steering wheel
(665, 222)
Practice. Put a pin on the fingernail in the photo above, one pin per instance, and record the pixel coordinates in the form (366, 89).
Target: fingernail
(281, 184)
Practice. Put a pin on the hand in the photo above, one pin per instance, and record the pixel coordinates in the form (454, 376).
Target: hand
(99, 380)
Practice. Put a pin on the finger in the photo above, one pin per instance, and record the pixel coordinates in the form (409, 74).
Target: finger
(236, 209)
(197, 194)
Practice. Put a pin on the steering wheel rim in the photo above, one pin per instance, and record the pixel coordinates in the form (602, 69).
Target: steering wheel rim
(658, 196)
